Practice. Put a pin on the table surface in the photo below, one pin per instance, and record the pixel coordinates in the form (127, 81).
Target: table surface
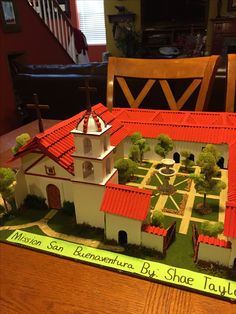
(35, 282)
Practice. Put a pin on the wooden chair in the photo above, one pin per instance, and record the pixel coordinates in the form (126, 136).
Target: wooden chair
(231, 83)
(201, 71)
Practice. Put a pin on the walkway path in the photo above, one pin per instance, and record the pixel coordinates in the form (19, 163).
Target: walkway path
(42, 224)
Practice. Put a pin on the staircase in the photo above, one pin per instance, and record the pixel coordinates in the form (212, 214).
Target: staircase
(55, 19)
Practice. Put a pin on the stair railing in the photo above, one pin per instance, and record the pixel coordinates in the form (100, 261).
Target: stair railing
(56, 20)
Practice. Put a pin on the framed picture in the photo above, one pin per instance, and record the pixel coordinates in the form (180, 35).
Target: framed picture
(231, 5)
(9, 16)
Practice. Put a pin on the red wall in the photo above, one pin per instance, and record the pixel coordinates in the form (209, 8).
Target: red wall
(95, 52)
(38, 46)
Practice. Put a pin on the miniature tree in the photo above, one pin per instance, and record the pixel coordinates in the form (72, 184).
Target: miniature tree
(204, 183)
(157, 218)
(135, 137)
(212, 229)
(164, 145)
(7, 177)
(20, 141)
(186, 162)
(134, 153)
(212, 149)
(139, 147)
(126, 169)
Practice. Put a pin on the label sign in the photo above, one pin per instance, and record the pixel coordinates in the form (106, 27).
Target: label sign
(154, 270)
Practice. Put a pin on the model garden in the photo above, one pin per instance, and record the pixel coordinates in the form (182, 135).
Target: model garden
(187, 192)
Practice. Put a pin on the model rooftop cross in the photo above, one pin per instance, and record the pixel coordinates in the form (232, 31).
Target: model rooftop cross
(38, 107)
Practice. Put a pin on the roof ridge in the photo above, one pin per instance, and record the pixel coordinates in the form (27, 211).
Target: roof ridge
(127, 188)
(174, 124)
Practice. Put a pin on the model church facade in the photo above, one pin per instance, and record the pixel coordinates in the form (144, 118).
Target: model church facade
(74, 161)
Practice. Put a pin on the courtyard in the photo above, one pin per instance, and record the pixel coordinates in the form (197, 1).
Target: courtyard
(180, 205)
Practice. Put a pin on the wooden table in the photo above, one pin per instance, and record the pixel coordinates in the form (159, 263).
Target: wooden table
(35, 282)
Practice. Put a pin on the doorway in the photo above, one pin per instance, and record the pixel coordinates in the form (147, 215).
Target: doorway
(122, 237)
(53, 196)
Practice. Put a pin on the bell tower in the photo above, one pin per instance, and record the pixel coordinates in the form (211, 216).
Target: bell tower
(93, 167)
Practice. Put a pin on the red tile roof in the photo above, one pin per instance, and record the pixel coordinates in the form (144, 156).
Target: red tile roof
(57, 142)
(183, 132)
(230, 220)
(155, 230)
(126, 201)
(213, 241)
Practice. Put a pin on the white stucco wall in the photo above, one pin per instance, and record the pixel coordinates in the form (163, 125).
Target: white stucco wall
(215, 254)
(38, 186)
(193, 147)
(132, 227)
(35, 179)
(152, 241)
(87, 200)
(38, 168)
(99, 168)
(97, 141)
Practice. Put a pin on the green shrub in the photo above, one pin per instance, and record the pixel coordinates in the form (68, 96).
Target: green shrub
(69, 208)
(157, 218)
(35, 202)
(212, 229)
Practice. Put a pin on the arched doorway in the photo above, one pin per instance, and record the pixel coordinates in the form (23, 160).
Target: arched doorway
(122, 237)
(191, 157)
(220, 163)
(176, 157)
(234, 266)
(53, 196)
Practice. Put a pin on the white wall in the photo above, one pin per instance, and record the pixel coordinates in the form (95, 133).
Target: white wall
(215, 254)
(35, 180)
(132, 227)
(153, 241)
(87, 200)
(193, 147)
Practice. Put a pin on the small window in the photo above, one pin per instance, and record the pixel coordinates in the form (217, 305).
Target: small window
(92, 21)
(87, 169)
(87, 145)
(108, 166)
(105, 143)
(50, 171)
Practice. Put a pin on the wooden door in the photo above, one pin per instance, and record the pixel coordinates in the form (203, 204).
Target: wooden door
(53, 195)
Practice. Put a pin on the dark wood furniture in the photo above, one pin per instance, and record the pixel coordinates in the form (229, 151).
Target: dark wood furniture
(200, 73)
(224, 36)
(180, 36)
(231, 83)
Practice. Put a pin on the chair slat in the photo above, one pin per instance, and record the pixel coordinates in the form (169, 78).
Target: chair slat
(231, 83)
(169, 95)
(188, 92)
(201, 70)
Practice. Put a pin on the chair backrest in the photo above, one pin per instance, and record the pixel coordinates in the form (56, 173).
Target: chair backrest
(231, 83)
(201, 71)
